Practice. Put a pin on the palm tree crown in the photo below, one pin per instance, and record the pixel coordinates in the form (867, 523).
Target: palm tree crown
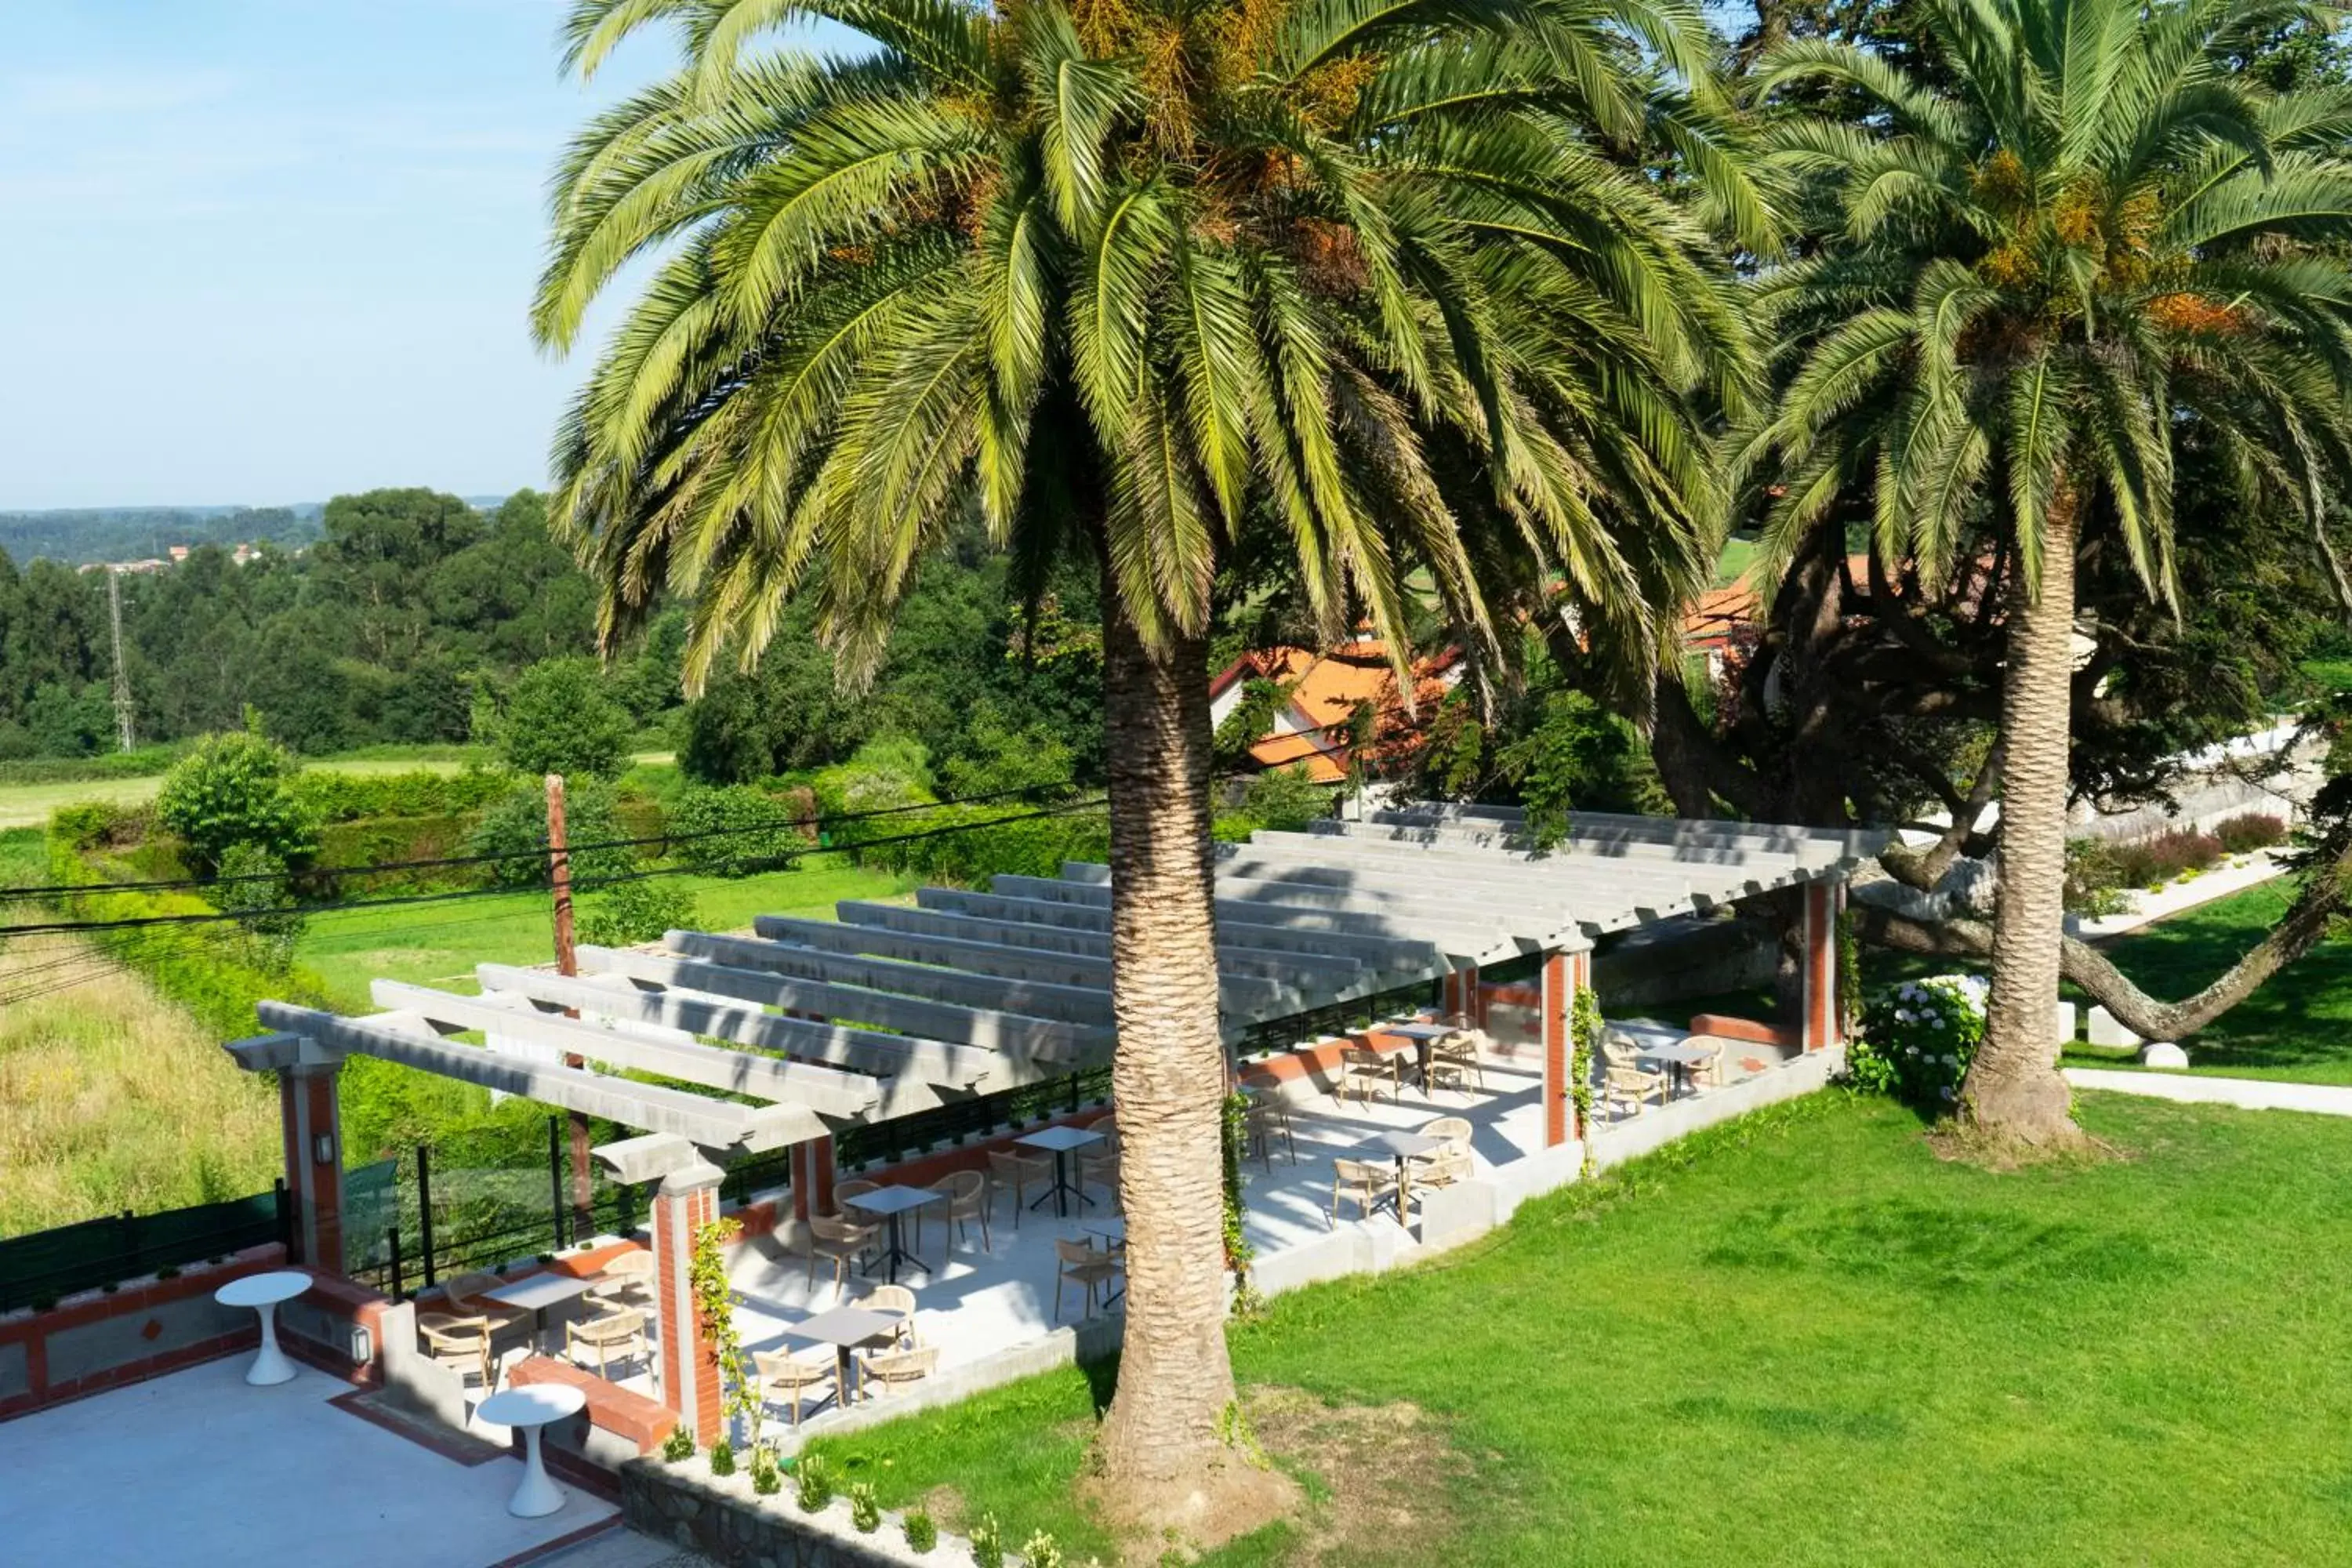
(1128, 273)
(2030, 278)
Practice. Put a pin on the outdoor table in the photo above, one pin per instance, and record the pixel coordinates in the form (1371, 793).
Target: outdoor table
(1679, 1056)
(1401, 1146)
(538, 1292)
(1423, 1035)
(843, 1328)
(1059, 1142)
(527, 1410)
(892, 1202)
(262, 1292)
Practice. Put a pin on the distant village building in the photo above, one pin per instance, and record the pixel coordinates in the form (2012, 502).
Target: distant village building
(1323, 693)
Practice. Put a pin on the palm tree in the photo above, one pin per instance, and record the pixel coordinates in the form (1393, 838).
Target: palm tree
(1130, 279)
(2089, 238)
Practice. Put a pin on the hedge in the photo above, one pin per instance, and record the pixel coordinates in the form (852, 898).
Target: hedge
(348, 797)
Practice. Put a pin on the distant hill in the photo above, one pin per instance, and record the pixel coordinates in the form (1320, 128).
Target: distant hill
(76, 536)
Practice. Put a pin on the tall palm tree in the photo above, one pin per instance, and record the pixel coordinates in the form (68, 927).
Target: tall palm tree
(1130, 277)
(2030, 281)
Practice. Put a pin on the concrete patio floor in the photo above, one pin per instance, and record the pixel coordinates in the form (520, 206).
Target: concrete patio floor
(199, 1468)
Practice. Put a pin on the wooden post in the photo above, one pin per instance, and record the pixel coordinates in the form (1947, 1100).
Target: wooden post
(567, 961)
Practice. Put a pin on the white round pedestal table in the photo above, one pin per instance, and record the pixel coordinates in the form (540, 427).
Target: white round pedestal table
(262, 1292)
(527, 1410)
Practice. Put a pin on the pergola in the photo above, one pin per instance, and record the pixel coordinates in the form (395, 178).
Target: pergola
(815, 1026)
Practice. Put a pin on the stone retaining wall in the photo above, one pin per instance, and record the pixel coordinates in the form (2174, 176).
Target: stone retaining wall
(724, 1520)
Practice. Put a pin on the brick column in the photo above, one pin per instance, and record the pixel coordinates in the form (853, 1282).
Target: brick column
(1824, 1012)
(1465, 995)
(687, 1201)
(1559, 991)
(310, 1122)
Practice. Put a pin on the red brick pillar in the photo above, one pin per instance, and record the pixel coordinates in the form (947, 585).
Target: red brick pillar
(811, 1177)
(1465, 995)
(310, 1122)
(1824, 1008)
(687, 1201)
(1558, 991)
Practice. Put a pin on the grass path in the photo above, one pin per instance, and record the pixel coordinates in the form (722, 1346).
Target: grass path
(1799, 1339)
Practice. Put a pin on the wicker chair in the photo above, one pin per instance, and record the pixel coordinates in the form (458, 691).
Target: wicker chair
(1018, 1173)
(462, 1345)
(1365, 1072)
(1454, 1058)
(1268, 1117)
(839, 1243)
(1098, 1163)
(1707, 1072)
(613, 1336)
(627, 1280)
(967, 1193)
(1079, 1264)
(1444, 1166)
(466, 1296)
(1364, 1183)
(899, 1302)
(844, 1191)
(892, 1368)
(787, 1381)
(1631, 1087)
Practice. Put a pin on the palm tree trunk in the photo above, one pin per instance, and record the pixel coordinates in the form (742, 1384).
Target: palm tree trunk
(1159, 1447)
(2013, 1090)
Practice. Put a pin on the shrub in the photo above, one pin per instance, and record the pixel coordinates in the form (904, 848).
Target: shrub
(560, 719)
(766, 1478)
(1280, 800)
(516, 828)
(734, 830)
(1042, 1550)
(234, 789)
(255, 889)
(922, 1533)
(812, 1480)
(637, 911)
(865, 1511)
(2160, 857)
(2094, 882)
(723, 1457)
(353, 797)
(2244, 834)
(678, 1446)
(988, 1543)
(99, 825)
(1918, 1039)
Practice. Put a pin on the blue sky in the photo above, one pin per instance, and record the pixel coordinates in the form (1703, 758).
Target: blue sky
(270, 250)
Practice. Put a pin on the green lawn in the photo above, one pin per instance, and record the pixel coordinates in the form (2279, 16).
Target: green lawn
(1797, 1338)
(2298, 1025)
(440, 943)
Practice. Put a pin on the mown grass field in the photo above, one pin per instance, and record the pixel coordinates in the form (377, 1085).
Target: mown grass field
(439, 944)
(1799, 1339)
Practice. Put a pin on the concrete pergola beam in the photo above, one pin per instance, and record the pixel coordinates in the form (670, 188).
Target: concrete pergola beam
(1071, 1003)
(1233, 958)
(1849, 845)
(713, 1123)
(827, 1090)
(885, 1055)
(1274, 940)
(1381, 880)
(935, 1037)
(1590, 899)
(1716, 876)
(648, 1157)
(1248, 995)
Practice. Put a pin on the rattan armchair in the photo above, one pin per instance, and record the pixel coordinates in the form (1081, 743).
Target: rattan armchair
(462, 1345)
(967, 1193)
(613, 1336)
(1008, 1170)
(787, 1381)
(839, 1243)
(893, 1368)
(628, 1280)
(1631, 1087)
(1365, 1072)
(1076, 1263)
(1364, 1183)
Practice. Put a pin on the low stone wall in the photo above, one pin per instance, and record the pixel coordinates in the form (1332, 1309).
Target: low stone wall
(724, 1520)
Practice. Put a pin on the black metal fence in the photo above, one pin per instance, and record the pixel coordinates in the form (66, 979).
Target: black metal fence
(42, 1268)
(1338, 1018)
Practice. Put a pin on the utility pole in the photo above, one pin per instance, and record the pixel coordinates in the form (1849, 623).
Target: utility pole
(567, 961)
(126, 738)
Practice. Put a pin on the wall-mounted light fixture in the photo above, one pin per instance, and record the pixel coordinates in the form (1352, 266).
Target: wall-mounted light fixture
(322, 1148)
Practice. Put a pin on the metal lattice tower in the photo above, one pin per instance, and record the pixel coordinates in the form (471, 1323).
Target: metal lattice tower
(123, 731)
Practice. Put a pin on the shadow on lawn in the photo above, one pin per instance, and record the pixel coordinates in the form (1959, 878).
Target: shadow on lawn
(1940, 1248)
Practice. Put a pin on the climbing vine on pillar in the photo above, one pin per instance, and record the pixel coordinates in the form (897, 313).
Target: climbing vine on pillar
(714, 1307)
(1583, 1034)
(1238, 1250)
